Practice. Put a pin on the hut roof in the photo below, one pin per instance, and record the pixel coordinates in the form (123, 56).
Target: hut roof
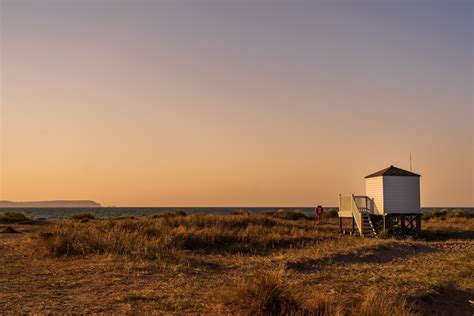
(393, 171)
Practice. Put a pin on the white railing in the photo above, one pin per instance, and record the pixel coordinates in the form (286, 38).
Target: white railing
(365, 204)
(357, 214)
(357, 205)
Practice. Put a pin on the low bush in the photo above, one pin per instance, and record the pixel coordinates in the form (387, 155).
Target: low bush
(83, 216)
(332, 213)
(169, 214)
(445, 213)
(8, 230)
(289, 215)
(180, 213)
(14, 218)
(240, 212)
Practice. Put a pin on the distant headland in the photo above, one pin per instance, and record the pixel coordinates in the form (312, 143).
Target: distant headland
(58, 203)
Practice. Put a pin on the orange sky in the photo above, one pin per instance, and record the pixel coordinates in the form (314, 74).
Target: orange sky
(155, 104)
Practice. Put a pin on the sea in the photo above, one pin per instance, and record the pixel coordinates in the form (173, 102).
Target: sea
(116, 212)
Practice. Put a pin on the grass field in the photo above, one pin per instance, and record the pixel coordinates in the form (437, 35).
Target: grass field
(234, 264)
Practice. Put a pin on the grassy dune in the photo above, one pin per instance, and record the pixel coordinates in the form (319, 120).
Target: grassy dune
(163, 237)
(237, 264)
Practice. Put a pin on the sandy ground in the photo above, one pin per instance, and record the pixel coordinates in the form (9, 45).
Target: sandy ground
(437, 276)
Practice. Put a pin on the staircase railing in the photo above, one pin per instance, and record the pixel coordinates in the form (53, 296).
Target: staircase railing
(364, 203)
(360, 208)
(356, 214)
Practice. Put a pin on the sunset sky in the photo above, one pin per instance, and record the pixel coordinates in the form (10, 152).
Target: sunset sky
(242, 103)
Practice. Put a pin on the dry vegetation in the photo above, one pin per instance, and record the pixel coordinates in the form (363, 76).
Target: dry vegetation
(14, 218)
(267, 264)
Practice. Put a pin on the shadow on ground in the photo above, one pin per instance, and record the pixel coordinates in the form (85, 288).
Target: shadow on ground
(444, 235)
(374, 254)
(445, 300)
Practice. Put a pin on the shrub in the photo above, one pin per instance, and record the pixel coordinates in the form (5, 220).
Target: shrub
(8, 230)
(14, 218)
(169, 214)
(240, 212)
(385, 234)
(180, 213)
(461, 214)
(83, 216)
(444, 213)
(289, 215)
(427, 215)
(332, 213)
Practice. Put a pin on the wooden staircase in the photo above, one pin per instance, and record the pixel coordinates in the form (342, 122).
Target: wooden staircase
(367, 229)
(360, 209)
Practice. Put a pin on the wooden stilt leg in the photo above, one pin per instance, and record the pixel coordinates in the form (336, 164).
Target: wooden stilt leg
(402, 224)
(418, 224)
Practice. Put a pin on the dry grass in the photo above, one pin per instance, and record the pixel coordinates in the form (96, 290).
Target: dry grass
(380, 304)
(236, 264)
(448, 228)
(160, 237)
(269, 294)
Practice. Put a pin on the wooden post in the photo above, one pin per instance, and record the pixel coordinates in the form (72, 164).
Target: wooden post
(389, 222)
(340, 224)
(402, 224)
(384, 223)
(353, 225)
(418, 224)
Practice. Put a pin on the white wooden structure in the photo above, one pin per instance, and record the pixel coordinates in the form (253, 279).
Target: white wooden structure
(394, 191)
(392, 197)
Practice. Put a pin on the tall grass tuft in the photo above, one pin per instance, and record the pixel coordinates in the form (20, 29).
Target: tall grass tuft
(269, 294)
(73, 238)
(266, 295)
(378, 304)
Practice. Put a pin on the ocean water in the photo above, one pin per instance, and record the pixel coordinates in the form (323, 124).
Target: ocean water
(115, 212)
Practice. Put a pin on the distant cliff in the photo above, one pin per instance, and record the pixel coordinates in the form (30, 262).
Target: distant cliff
(79, 203)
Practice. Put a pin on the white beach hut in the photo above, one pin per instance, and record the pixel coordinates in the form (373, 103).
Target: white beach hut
(394, 191)
(391, 203)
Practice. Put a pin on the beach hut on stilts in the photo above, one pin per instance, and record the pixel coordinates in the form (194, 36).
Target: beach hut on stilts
(391, 205)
